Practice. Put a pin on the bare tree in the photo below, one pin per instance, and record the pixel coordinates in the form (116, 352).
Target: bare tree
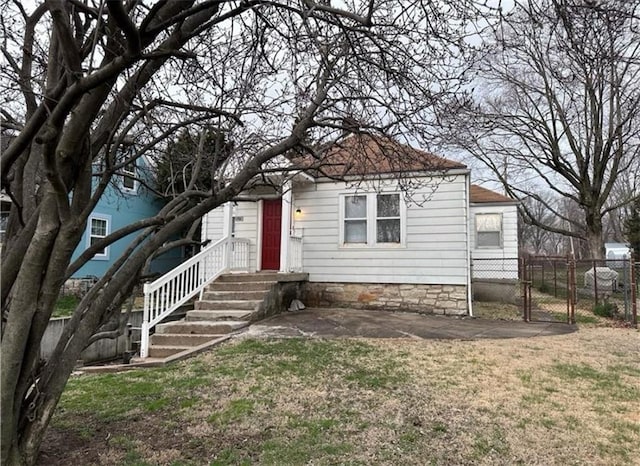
(557, 101)
(86, 79)
(532, 238)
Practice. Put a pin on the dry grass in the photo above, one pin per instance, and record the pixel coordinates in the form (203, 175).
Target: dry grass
(571, 399)
(555, 308)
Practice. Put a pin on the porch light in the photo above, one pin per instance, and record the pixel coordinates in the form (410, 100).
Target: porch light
(298, 211)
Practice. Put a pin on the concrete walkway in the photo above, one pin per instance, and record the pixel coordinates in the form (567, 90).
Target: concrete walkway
(332, 323)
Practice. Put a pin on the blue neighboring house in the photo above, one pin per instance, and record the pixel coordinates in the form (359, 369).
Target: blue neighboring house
(124, 201)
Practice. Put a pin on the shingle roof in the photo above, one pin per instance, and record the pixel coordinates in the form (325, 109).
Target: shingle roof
(480, 195)
(365, 154)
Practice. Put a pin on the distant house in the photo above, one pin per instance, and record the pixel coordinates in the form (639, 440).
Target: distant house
(362, 241)
(616, 254)
(124, 202)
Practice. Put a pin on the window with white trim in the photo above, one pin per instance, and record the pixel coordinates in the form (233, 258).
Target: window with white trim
(98, 229)
(372, 219)
(488, 230)
(388, 222)
(355, 219)
(129, 176)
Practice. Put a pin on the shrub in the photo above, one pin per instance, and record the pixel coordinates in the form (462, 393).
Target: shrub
(544, 287)
(605, 309)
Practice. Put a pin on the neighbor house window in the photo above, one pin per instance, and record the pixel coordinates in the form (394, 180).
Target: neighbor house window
(372, 219)
(129, 176)
(489, 230)
(4, 219)
(98, 229)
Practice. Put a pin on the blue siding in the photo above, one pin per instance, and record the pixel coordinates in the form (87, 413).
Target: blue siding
(122, 207)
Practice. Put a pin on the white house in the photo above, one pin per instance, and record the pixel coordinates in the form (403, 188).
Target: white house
(494, 242)
(377, 225)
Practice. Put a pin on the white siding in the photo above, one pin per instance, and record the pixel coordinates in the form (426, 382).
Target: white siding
(246, 225)
(246, 214)
(499, 263)
(213, 224)
(434, 251)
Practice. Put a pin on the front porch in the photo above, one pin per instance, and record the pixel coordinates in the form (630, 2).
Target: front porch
(225, 261)
(265, 218)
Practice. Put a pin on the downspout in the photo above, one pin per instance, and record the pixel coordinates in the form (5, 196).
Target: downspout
(467, 213)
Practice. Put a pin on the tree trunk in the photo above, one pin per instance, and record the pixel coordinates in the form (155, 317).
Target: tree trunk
(594, 236)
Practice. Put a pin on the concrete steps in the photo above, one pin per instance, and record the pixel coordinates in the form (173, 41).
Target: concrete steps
(231, 295)
(181, 339)
(228, 305)
(219, 314)
(200, 328)
(251, 277)
(240, 286)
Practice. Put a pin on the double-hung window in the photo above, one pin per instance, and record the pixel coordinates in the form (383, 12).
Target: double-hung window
(129, 176)
(488, 230)
(388, 221)
(355, 219)
(372, 219)
(98, 229)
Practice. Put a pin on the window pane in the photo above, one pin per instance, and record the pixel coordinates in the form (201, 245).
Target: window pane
(388, 205)
(101, 252)
(388, 231)
(355, 231)
(98, 227)
(129, 181)
(488, 222)
(355, 207)
(489, 239)
(4, 218)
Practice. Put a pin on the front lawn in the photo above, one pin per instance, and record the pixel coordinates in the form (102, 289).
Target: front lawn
(571, 399)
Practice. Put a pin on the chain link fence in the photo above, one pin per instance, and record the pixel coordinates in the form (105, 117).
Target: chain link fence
(497, 288)
(556, 289)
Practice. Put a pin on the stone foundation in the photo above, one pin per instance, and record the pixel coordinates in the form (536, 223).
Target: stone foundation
(78, 286)
(428, 299)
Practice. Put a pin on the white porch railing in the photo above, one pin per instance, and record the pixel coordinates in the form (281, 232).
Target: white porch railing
(295, 254)
(178, 286)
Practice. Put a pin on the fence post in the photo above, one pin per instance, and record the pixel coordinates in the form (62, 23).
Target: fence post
(572, 291)
(526, 292)
(634, 290)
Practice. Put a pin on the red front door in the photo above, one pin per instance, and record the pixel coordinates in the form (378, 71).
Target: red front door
(271, 224)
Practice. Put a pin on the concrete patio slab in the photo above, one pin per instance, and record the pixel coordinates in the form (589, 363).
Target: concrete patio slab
(336, 323)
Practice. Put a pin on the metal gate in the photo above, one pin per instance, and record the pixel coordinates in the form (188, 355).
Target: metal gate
(548, 289)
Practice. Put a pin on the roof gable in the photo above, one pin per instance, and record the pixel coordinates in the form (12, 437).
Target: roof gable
(480, 195)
